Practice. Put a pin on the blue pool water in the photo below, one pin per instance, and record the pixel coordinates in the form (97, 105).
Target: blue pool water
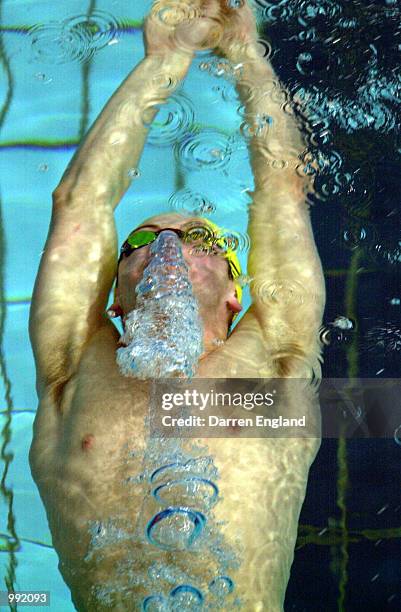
(344, 58)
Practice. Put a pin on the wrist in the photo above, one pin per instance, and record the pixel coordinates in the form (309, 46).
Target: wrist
(249, 59)
(175, 61)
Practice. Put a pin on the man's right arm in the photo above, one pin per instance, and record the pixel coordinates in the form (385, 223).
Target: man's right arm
(78, 265)
(100, 169)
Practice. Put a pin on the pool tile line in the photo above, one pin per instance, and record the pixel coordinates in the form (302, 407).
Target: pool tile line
(6, 492)
(16, 411)
(26, 300)
(68, 144)
(332, 537)
(351, 292)
(129, 26)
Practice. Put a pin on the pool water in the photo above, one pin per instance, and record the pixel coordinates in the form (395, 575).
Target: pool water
(60, 62)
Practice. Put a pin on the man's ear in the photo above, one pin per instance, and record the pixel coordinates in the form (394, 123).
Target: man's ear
(232, 303)
(115, 309)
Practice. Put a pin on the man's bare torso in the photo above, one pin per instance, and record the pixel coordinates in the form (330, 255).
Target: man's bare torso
(91, 443)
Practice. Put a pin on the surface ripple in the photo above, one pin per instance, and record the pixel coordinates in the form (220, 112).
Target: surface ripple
(75, 39)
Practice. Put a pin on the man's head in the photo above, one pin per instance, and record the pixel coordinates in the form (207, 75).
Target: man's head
(210, 271)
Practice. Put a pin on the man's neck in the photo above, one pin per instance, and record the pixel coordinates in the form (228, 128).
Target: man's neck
(212, 339)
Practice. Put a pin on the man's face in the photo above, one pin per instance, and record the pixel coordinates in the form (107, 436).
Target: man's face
(208, 270)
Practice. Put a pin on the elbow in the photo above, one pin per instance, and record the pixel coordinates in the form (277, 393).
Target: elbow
(60, 195)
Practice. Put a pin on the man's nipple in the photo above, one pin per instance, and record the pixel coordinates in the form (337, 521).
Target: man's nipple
(87, 442)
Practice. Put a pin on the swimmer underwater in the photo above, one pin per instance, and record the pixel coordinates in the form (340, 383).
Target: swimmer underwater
(89, 413)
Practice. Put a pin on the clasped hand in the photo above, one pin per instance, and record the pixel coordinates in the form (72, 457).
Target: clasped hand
(186, 26)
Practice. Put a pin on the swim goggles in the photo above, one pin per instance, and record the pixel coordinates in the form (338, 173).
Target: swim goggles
(199, 237)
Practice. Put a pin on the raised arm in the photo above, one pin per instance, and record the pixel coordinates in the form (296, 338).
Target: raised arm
(79, 261)
(287, 285)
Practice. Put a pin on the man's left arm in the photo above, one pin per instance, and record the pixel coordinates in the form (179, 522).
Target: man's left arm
(287, 287)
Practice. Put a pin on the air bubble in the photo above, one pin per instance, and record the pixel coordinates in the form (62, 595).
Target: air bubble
(186, 490)
(337, 333)
(279, 164)
(191, 202)
(343, 323)
(134, 173)
(221, 586)
(155, 603)
(175, 528)
(256, 126)
(173, 121)
(244, 280)
(304, 63)
(42, 77)
(186, 597)
(264, 48)
(279, 292)
(206, 149)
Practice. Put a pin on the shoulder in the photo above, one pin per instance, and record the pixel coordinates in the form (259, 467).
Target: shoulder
(273, 350)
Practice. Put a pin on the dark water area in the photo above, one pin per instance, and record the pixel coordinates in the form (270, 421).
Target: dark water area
(343, 59)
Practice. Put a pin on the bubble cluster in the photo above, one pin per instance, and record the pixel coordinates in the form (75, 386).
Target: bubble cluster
(221, 68)
(340, 58)
(385, 252)
(338, 332)
(77, 38)
(384, 339)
